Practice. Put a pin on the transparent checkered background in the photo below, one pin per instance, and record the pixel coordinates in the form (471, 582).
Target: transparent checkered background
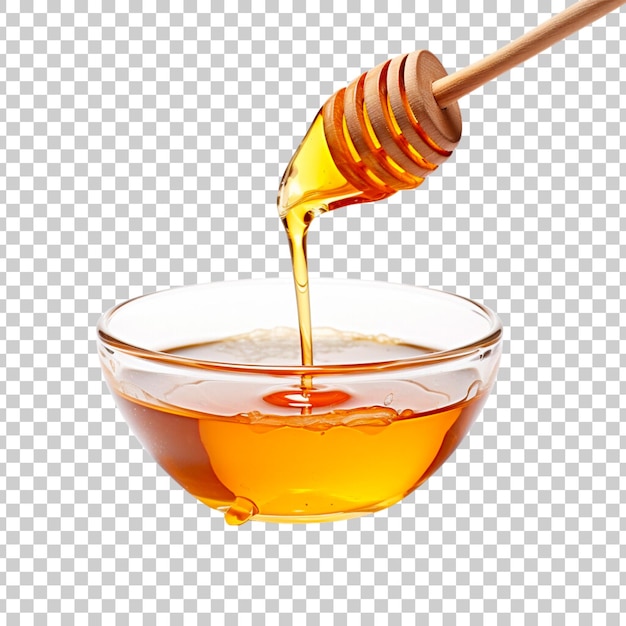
(141, 148)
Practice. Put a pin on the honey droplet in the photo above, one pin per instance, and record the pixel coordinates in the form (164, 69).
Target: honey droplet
(240, 511)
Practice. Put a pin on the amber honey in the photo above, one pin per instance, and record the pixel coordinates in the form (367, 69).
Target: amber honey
(348, 454)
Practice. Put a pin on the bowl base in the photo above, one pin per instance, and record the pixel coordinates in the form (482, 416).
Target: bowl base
(243, 510)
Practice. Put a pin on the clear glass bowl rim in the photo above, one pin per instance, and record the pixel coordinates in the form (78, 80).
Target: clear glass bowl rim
(487, 340)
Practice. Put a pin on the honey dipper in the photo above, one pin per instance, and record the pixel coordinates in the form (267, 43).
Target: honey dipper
(396, 123)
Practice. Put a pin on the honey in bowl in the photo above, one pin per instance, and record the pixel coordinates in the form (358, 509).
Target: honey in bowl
(245, 428)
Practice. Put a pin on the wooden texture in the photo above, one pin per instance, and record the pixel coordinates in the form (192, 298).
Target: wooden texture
(449, 89)
(333, 131)
(442, 128)
(405, 117)
(386, 129)
(365, 144)
(394, 143)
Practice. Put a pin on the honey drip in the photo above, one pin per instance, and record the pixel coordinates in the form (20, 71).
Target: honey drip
(318, 180)
(311, 185)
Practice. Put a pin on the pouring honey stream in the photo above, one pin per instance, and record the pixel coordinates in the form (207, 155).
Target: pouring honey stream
(343, 159)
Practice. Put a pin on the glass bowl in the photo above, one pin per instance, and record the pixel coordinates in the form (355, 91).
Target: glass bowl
(208, 378)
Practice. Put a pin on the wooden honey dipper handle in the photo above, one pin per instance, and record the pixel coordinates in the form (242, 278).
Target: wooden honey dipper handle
(450, 88)
(394, 125)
